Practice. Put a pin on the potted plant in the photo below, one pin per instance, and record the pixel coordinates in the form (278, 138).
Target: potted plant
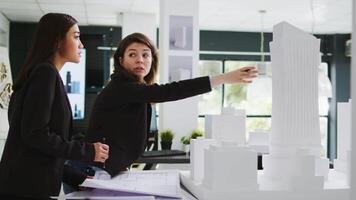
(196, 133)
(186, 139)
(166, 139)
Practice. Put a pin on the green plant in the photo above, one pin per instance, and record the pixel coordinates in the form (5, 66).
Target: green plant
(195, 134)
(166, 135)
(185, 140)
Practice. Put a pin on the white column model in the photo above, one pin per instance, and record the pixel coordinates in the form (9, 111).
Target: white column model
(295, 141)
(198, 147)
(342, 163)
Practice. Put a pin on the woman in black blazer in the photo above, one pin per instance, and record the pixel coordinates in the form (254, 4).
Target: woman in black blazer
(121, 112)
(40, 118)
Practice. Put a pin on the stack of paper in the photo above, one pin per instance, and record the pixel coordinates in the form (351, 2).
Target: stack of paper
(164, 183)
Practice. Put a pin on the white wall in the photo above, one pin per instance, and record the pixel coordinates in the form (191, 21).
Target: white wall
(4, 87)
(4, 41)
(139, 22)
(179, 116)
(4, 31)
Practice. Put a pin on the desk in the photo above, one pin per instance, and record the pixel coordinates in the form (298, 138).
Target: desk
(182, 159)
(336, 187)
(165, 159)
(151, 162)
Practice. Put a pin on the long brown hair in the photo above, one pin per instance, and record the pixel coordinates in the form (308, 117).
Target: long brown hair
(150, 78)
(52, 28)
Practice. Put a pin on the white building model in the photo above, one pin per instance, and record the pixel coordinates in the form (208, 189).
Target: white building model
(294, 169)
(229, 126)
(236, 176)
(295, 141)
(342, 163)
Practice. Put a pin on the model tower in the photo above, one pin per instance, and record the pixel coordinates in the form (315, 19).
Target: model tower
(295, 141)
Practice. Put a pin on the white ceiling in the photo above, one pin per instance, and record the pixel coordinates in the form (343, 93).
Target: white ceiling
(317, 16)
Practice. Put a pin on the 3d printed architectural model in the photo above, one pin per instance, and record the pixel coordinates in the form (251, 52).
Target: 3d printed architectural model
(259, 140)
(294, 169)
(217, 170)
(342, 163)
(197, 149)
(295, 141)
(236, 175)
(229, 126)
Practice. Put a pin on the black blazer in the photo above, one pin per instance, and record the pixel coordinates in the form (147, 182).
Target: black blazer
(122, 111)
(37, 144)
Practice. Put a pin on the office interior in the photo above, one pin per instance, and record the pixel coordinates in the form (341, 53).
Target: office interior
(220, 49)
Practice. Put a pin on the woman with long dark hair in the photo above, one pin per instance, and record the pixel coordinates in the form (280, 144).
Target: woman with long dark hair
(122, 111)
(40, 118)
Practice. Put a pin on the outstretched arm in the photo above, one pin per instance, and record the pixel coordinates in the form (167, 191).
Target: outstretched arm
(242, 75)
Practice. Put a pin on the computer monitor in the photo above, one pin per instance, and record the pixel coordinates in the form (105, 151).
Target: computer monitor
(73, 76)
(153, 126)
(152, 135)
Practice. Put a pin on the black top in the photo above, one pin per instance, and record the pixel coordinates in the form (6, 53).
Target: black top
(122, 111)
(37, 144)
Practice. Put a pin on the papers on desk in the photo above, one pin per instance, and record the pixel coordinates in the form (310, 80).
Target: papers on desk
(164, 183)
(88, 195)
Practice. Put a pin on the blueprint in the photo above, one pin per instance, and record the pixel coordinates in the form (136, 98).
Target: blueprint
(163, 183)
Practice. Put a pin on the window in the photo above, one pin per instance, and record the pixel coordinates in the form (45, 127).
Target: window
(324, 95)
(255, 98)
(210, 103)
